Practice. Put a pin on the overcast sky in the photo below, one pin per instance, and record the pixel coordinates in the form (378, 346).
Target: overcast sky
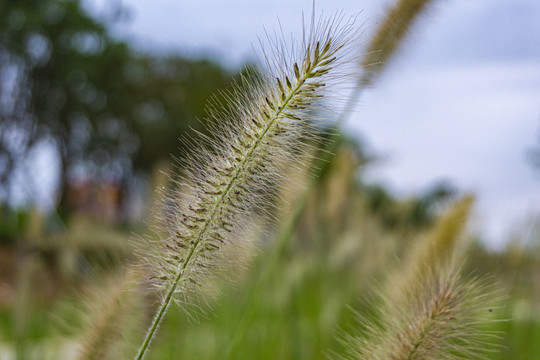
(460, 103)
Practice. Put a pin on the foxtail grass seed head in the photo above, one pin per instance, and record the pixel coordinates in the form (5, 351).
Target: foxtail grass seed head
(228, 176)
(443, 321)
(439, 249)
(389, 36)
(117, 313)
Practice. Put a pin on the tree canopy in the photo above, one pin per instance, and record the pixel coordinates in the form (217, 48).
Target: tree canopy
(106, 108)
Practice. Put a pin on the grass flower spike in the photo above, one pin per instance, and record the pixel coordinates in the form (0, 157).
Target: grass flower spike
(390, 35)
(438, 249)
(427, 310)
(118, 309)
(229, 175)
(441, 322)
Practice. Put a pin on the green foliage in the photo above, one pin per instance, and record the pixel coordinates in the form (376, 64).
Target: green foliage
(12, 224)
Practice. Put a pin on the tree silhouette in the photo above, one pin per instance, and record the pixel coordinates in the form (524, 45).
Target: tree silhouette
(105, 108)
